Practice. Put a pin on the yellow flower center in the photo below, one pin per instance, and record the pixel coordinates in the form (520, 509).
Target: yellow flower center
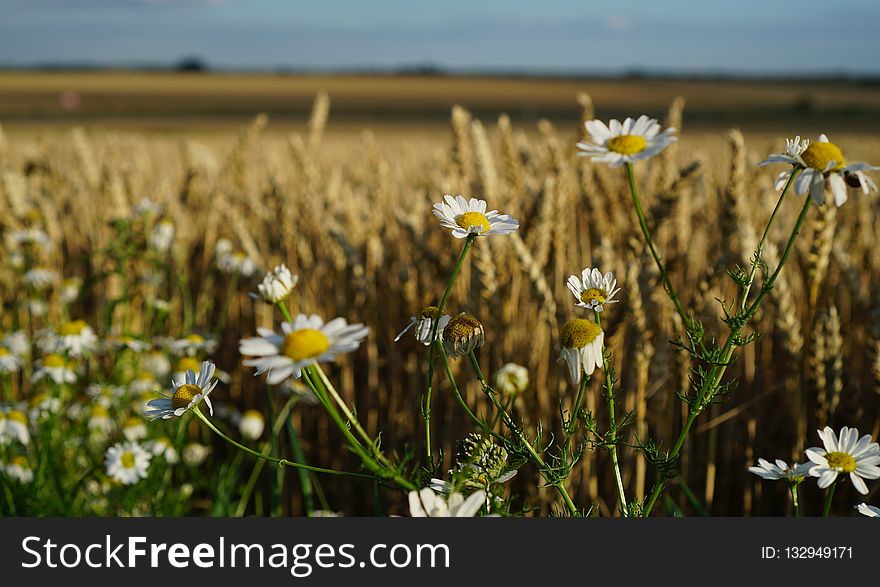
(307, 343)
(462, 326)
(127, 459)
(594, 294)
(841, 461)
(187, 364)
(471, 219)
(627, 144)
(20, 461)
(73, 328)
(195, 338)
(578, 333)
(429, 312)
(3, 351)
(17, 416)
(99, 411)
(819, 155)
(53, 361)
(184, 394)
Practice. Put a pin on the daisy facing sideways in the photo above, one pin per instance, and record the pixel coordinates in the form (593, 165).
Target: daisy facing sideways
(821, 163)
(185, 395)
(581, 341)
(593, 290)
(781, 470)
(467, 217)
(305, 341)
(847, 454)
(625, 142)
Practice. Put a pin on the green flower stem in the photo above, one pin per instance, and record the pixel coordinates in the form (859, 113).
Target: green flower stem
(282, 305)
(612, 424)
(706, 392)
(795, 506)
(426, 399)
(316, 371)
(829, 496)
(304, 481)
(480, 423)
(281, 462)
(756, 263)
(559, 484)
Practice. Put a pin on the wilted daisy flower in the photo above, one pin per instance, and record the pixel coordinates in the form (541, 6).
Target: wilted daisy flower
(581, 341)
(462, 334)
(848, 454)
(14, 426)
(40, 278)
(56, 368)
(70, 289)
(868, 510)
(161, 237)
(127, 462)
(512, 379)
(821, 162)
(185, 395)
(305, 341)
(76, 338)
(100, 421)
(277, 284)
(631, 141)
(193, 344)
(466, 217)
(163, 446)
(424, 323)
(428, 504)
(593, 290)
(9, 363)
(251, 424)
(19, 469)
(781, 470)
(194, 454)
(237, 263)
(134, 429)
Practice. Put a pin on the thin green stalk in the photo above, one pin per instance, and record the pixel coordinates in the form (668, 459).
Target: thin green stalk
(426, 399)
(284, 311)
(795, 506)
(612, 430)
(828, 498)
(281, 462)
(276, 478)
(300, 457)
(508, 421)
(482, 425)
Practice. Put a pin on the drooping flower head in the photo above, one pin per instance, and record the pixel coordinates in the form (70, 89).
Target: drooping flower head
(781, 470)
(581, 341)
(626, 142)
(467, 217)
(593, 290)
(512, 379)
(424, 324)
(845, 454)
(463, 334)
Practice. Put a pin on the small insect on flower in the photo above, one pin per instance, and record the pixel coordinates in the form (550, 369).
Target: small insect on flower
(14, 426)
(467, 217)
(56, 368)
(511, 379)
(463, 334)
(9, 363)
(19, 469)
(127, 462)
(428, 504)
(781, 470)
(424, 324)
(277, 285)
(185, 395)
(581, 341)
(847, 454)
(821, 163)
(869, 510)
(593, 290)
(627, 142)
(251, 424)
(305, 341)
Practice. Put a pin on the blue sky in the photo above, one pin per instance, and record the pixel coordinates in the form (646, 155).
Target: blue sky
(756, 36)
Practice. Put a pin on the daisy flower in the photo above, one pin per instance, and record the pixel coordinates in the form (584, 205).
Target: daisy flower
(76, 338)
(19, 469)
(821, 163)
(14, 426)
(99, 420)
(251, 424)
(631, 141)
(127, 462)
(134, 429)
(581, 342)
(868, 510)
(463, 334)
(424, 323)
(56, 368)
(593, 290)
(194, 454)
(847, 454)
(30, 237)
(9, 363)
(193, 344)
(467, 217)
(781, 470)
(42, 406)
(185, 395)
(17, 342)
(305, 341)
(512, 379)
(277, 284)
(70, 289)
(105, 394)
(161, 237)
(428, 504)
(236, 263)
(156, 363)
(131, 343)
(40, 278)
(163, 446)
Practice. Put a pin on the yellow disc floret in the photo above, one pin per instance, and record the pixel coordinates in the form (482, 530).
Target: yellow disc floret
(594, 294)
(187, 364)
(17, 416)
(627, 144)
(184, 394)
(72, 328)
(841, 461)
(820, 155)
(469, 220)
(127, 459)
(462, 326)
(578, 333)
(53, 361)
(307, 343)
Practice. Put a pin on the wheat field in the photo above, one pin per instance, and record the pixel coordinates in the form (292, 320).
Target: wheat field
(349, 211)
